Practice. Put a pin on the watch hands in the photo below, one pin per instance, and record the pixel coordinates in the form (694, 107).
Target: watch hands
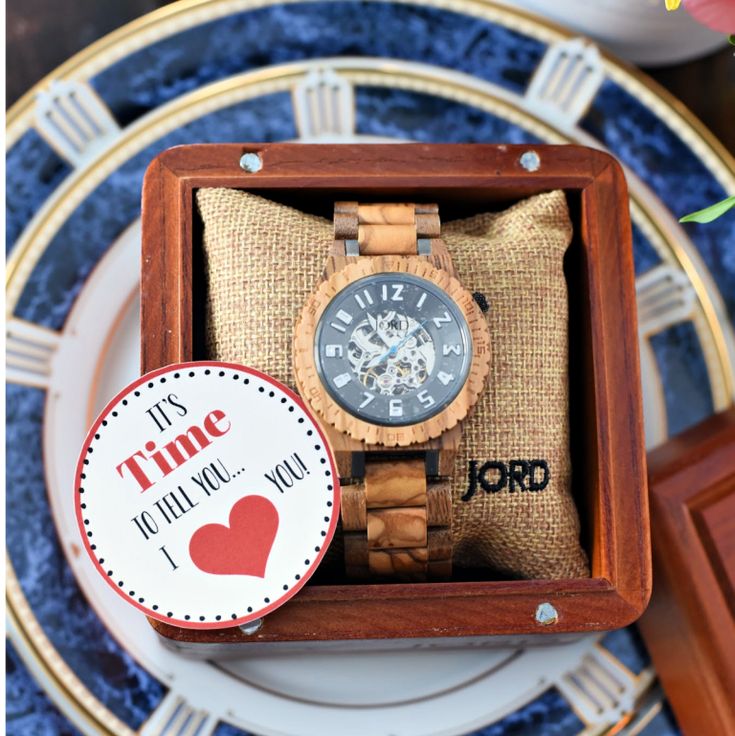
(392, 352)
(406, 338)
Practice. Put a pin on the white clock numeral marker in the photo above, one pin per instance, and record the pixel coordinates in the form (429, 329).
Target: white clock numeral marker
(324, 107)
(600, 687)
(425, 398)
(665, 298)
(396, 408)
(445, 378)
(421, 301)
(566, 81)
(368, 399)
(438, 321)
(338, 327)
(344, 316)
(342, 380)
(175, 716)
(368, 299)
(75, 121)
(333, 351)
(30, 350)
(397, 291)
(456, 349)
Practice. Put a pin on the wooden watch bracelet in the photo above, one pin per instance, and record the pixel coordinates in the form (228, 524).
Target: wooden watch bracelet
(386, 229)
(396, 524)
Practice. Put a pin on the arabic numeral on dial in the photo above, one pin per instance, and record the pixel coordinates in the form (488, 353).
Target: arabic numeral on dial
(444, 377)
(425, 398)
(456, 349)
(395, 296)
(366, 298)
(342, 380)
(334, 351)
(439, 321)
(396, 408)
(368, 399)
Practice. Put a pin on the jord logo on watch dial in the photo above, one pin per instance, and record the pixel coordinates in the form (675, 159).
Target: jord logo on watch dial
(393, 349)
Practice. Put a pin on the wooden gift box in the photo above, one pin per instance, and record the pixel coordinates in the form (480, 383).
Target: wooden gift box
(607, 442)
(689, 627)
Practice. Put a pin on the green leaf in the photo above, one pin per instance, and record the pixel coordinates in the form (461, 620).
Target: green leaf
(710, 213)
(731, 38)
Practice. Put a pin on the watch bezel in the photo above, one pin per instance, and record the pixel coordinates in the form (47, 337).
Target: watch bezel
(317, 395)
(465, 333)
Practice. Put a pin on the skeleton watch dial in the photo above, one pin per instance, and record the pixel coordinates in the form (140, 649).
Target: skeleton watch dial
(393, 349)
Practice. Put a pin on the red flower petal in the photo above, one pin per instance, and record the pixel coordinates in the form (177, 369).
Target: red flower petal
(719, 15)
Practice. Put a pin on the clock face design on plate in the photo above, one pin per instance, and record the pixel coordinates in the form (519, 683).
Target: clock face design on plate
(393, 349)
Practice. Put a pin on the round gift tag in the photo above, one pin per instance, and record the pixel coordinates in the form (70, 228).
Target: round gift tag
(206, 494)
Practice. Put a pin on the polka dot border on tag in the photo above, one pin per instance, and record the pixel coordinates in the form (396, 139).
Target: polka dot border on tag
(243, 375)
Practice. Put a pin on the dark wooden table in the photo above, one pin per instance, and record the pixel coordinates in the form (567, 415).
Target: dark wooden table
(43, 33)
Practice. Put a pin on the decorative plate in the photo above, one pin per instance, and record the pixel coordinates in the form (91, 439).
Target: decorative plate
(236, 70)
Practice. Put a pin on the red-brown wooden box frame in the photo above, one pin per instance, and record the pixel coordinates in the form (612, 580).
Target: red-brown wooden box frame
(689, 628)
(608, 408)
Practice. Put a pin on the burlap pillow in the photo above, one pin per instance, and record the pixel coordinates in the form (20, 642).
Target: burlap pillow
(513, 511)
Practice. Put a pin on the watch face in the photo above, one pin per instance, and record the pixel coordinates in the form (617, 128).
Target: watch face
(393, 349)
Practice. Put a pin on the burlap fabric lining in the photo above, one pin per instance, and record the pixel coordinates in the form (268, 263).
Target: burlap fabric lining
(263, 259)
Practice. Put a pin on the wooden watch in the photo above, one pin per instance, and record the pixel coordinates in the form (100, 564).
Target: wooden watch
(391, 352)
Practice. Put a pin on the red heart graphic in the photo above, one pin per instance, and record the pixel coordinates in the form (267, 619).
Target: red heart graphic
(242, 548)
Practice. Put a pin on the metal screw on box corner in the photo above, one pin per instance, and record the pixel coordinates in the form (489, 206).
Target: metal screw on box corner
(251, 162)
(530, 161)
(252, 627)
(546, 614)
